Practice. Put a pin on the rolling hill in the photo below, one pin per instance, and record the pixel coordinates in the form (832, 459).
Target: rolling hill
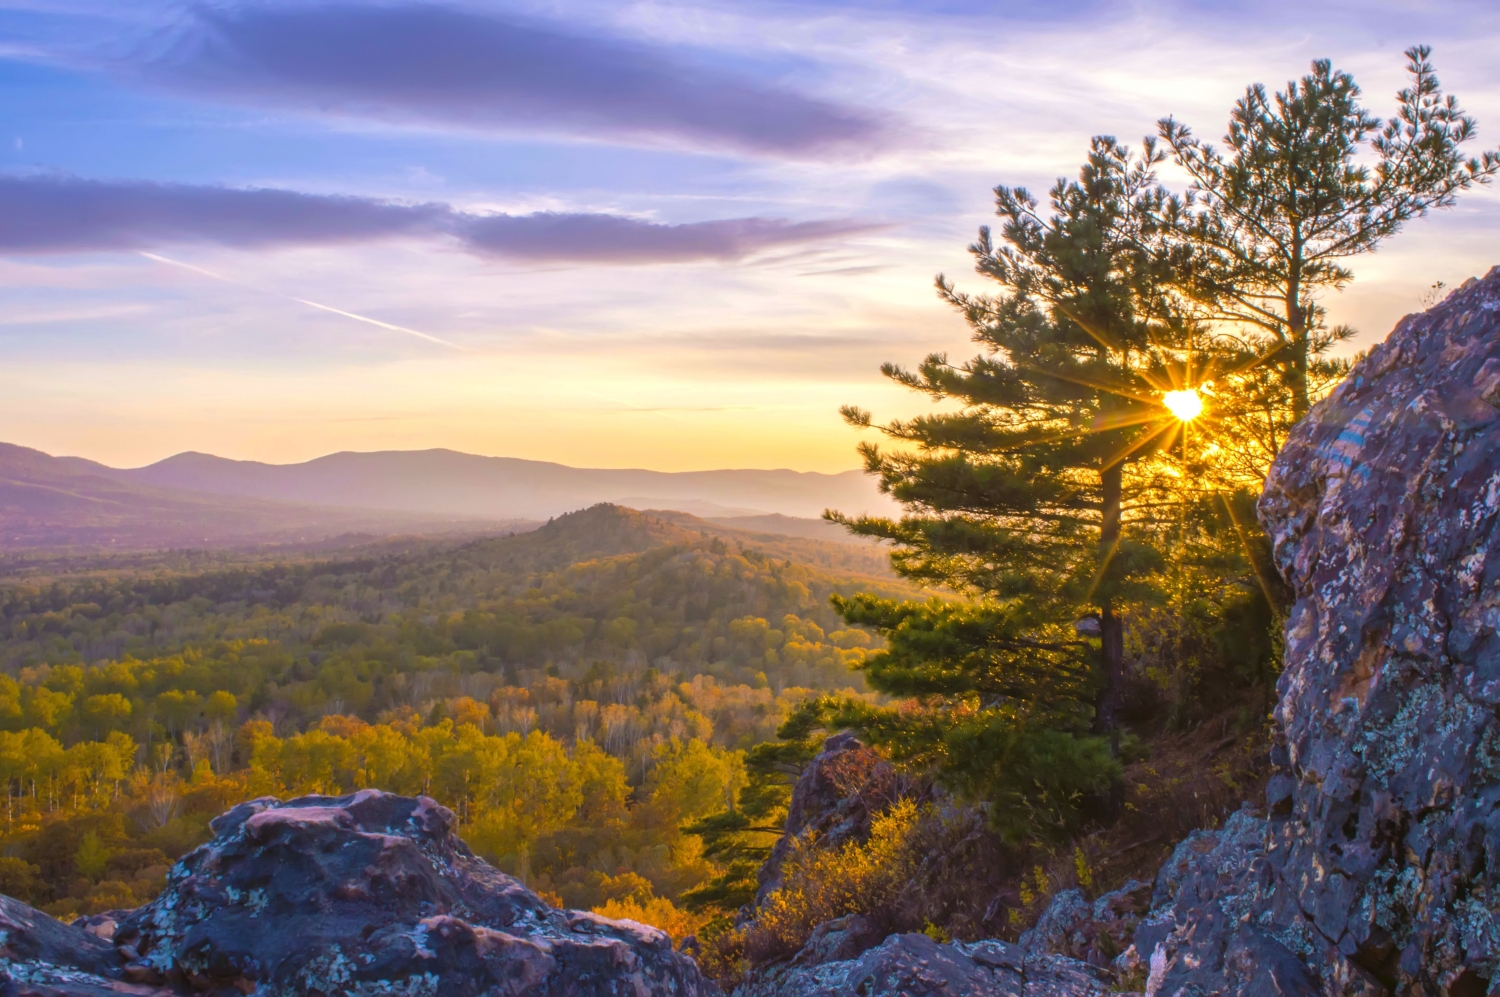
(51, 502)
(197, 500)
(448, 483)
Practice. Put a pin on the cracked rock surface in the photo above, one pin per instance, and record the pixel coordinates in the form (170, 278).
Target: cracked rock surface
(364, 894)
(914, 965)
(1384, 510)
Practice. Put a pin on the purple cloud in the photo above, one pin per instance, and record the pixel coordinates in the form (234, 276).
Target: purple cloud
(615, 239)
(421, 63)
(41, 214)
(62, 214)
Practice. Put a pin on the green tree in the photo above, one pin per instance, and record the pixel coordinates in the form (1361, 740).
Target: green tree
(1274, 216)
(1033, 491)
(741, 837)
(92, 856)
(1008, 707)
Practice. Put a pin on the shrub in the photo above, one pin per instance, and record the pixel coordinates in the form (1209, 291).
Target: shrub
(658, 912)
(22, 880)
(820, 884)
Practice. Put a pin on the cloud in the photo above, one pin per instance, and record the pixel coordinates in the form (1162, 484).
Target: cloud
(64, 214)
(617, 239)
(426, 64)
(41, 214)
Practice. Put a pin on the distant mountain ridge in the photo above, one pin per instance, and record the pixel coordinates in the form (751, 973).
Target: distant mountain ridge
(53, 502)
(449, 483)
(202, 501)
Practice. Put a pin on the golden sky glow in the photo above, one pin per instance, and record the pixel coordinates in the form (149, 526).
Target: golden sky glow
(314, 340)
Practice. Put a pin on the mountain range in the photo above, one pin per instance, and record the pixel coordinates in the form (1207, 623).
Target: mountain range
(196, 499)
(449, 483)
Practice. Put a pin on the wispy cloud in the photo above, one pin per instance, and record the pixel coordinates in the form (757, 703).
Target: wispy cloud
(304, 301)
(63, 214)
(427, 64)
(615, 239)
(52, 213)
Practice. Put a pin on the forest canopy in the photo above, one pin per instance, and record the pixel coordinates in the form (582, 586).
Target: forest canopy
(576, 695)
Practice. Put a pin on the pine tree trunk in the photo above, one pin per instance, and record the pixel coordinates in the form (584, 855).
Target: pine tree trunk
(1111, 627)
(1296, 320)
(1111, 640)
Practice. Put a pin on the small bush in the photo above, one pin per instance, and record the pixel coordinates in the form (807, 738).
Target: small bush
(658, 912)
(721, 952)
(822, 884)
(22, 880)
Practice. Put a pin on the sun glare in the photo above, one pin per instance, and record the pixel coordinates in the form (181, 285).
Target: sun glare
(1185, 404)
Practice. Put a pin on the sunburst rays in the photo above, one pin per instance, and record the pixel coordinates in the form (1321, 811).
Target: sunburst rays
(1174, 402)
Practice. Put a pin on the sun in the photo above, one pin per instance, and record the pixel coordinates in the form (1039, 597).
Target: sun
(1186, 404)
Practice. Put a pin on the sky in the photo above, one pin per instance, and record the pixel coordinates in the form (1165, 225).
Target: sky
(673, 235)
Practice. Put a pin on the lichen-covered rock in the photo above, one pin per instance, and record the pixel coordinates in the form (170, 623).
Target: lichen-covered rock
(1095, 933)
(914, 965)
(1221, 923)
(374, 894)
(1384, 511)
(42, 957)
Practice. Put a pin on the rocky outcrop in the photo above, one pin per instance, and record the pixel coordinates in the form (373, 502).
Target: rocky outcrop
(833, 800)
(353, 895)
(1094, 933)
(913, 965)
(1384, 509)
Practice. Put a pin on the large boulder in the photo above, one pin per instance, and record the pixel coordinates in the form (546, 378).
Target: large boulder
(350, 895)
(1384, 511)
(373, 894)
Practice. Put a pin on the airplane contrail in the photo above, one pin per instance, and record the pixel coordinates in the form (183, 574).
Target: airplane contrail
(300, 301)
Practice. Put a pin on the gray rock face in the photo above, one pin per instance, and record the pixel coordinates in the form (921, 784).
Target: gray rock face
(915, 966)
(340, 896)
(1094, 933)
(1221, 923)
(1384, 509)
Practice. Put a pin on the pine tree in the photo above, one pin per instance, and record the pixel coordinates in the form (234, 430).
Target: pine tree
(1036, 490)
(1275, 214)
(741, 838)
